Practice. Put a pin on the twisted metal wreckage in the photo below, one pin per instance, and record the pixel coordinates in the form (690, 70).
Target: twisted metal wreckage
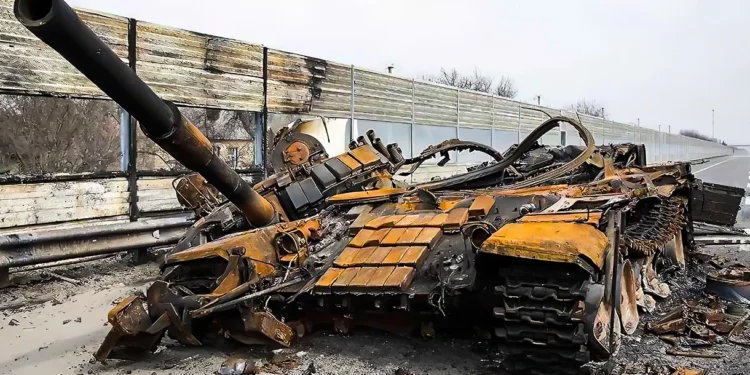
(548, 251)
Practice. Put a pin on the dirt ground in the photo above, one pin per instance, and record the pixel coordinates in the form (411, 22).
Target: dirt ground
(60, 336)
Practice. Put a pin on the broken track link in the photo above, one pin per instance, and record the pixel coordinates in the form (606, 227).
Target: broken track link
(538, 317)
(658, 224)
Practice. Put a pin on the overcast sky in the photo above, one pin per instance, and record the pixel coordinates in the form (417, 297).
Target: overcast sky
(665, 62)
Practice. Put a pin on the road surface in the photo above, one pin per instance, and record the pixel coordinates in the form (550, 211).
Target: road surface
(732, 171)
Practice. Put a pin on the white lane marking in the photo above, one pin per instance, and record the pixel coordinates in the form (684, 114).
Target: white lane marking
(711, 166)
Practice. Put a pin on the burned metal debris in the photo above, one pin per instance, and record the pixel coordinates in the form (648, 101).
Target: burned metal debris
(546, 251)
(732, 284)
(695, 326)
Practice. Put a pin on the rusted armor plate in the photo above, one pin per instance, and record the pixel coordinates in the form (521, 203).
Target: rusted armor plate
(350, 162)
(557, 242)
(365, 155)
(414, 256)
(456, 218)
(481, 206)
(399, 280)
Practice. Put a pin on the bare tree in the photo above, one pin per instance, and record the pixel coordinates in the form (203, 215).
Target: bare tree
(506, 88)
(46, 135)
(588, 107)
(448, 78)
(479, 82)
(476, 82)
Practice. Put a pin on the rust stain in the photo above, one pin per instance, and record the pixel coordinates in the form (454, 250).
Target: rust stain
(414, 256)
(329, 277)
(366, 195)
(379, 277)
(560, 242)
(394, 255)
(399, 280)
(481, 205)
(588, 217)
(428, 237)
(393, 236)
(378, 256)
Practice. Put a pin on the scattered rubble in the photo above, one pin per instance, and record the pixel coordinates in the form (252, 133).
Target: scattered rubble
(686, 371)
(403, 371)
(237, 366)
(731, 283)
(698, 324)
(63, 278)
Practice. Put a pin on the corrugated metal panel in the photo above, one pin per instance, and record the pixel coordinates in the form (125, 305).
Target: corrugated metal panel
(303, 84)
(434, 104)
(27, 65)
(475, 109)
(335, 95)
(506, 114)
(381, 97)
(52, 202)
(200, 70)
(156, 194)
(532, 116)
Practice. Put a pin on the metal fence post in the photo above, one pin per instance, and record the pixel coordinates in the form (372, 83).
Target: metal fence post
(258, 144)
(458, 118)
(563, 131)
(124, 140)
(132, 169)
(518, 128)
(492, 129)
(264, 129)
(411, 127)
(351, 107)
(669, 142)
(659, 142)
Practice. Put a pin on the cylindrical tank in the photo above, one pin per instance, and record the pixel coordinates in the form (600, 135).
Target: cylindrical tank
(57, 25)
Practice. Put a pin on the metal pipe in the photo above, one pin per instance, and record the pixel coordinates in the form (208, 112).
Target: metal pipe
(201, 312)
(124, 140)
(378, 145)
(395, 152)
(57, 25)
(54, 251)
(411, 128)
(351, 106)
(458, 119)
(145, 225)
(61, 263)
(518, 128)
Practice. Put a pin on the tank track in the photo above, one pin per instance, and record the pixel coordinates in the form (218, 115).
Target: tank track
(538, 318)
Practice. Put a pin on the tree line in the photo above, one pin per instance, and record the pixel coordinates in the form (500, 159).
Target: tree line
(506, 87)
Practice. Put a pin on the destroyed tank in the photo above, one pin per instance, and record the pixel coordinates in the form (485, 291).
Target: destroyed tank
(545, 252)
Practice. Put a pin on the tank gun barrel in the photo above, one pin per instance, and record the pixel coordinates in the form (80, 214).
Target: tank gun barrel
(57, 25)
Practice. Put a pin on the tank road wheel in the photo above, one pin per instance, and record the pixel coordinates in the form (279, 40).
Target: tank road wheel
(599, 323)
(674, 251)
(628, 309)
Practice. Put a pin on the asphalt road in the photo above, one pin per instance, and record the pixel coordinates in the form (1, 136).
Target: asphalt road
(732, 171)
